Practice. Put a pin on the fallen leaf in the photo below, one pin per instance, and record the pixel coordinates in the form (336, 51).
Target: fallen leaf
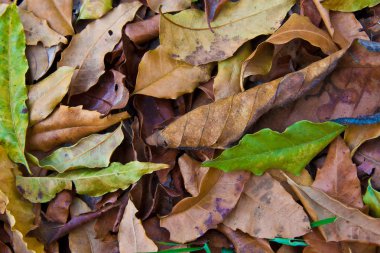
(290, 151)
(59, 208)
(207, 125)
(212, 9)
(108, 94)
(338, 177)
(163, 77)
(37, 30)
(69, 124)
(83, 239)
(367, 157)
(244, 243)
(194, 216)
(91, 9)
(349, 5)
(186, 35)
(356, 135)
(266, 210)
(351, 225)
(318, 244)
(14, 113)
(87, 181)
(87, 49)
(325, 15)
(143, 31)
(132, 236)
(310, 10)
(168, 5)
(227, 81)
(56, 12)
(93, 151)
(40, 60)
(372, 199)
(44, 96)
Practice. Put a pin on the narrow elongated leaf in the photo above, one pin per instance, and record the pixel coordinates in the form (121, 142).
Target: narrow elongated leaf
(87, 181)
(187, 36)
(47, 94)
(372, 200)
(93, 151)
(349, 5)
(91, 9)
(291, 150)
(13, 92)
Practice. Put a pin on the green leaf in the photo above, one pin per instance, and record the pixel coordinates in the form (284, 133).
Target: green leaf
(372, 199)
(13, 92)
(349, 5)
(93, 151)
(94, 9)
(319, 223)
(87, 181)
(290, 242)
(291, 150)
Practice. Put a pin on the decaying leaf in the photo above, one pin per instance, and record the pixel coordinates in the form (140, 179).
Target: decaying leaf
(91, 9)
(356, 135)
(349, 5)
(69, 124)
(87, 49)
(290, 151)
(266, 210)
(207, 125)
(163, 77)
(338, 177)
(37, 30)
(93, 151)
(168, 5)
(87, 181)
(57, 13)
(351, 224)
(13, 92)
(194, 216)
(44, 96)
(186, 35)
(132, 236)
(83, 239)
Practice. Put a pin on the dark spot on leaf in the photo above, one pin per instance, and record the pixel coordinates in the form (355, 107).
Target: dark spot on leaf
(24, 110)
(265, 198)
(208, 222)
(110, 32)
(221, 210)
(20, 189)
(40, 195)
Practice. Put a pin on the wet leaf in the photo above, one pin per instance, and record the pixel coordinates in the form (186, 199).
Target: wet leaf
(266, 210)
(69, 124)
(186, 35)
(91, 9)
(56, 12)
(349, 5)
(372, 200)
(87, 49)
(13, 92)
(219, 193)
(290, 151)
(338, 177)
(356, 135)
(93, 151)
(87, 181)
(163, 77)
(44, 96)
(132, 236)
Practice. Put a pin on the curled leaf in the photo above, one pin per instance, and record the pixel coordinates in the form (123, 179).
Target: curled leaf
(372, 199)
(356, 135)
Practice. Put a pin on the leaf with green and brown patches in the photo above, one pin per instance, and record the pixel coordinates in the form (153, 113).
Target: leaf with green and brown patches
(92, 182)
(91, 9)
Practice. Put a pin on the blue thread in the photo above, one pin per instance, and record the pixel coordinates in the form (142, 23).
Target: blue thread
(362, 120)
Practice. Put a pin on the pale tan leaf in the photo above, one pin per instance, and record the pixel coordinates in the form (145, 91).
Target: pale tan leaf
(40, 60)
(37, 30)
(44, 96)
(266, 210)
(132, 236)
(194, 216)
(69, 124)
(161, 76)
(87, 49)
(58, 13)
(168, 5)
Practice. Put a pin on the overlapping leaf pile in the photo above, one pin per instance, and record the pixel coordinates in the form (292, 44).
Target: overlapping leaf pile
(181, 126)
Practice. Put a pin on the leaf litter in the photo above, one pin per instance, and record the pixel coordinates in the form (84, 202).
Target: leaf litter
(189, 126)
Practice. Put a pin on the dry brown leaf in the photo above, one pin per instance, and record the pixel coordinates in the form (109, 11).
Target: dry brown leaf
(192, 173)
(338, 177)
(57, 13)
(266, 210)
(194, 216)
(244, 243)
(37, 30)
(40, 60)
(69, 124)
(317, 244)
(87, 49)
(325, 16)
(351, 224)
(356, 135)
(132, 236)
(143, 31)
(161, 76)
(220, 123)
